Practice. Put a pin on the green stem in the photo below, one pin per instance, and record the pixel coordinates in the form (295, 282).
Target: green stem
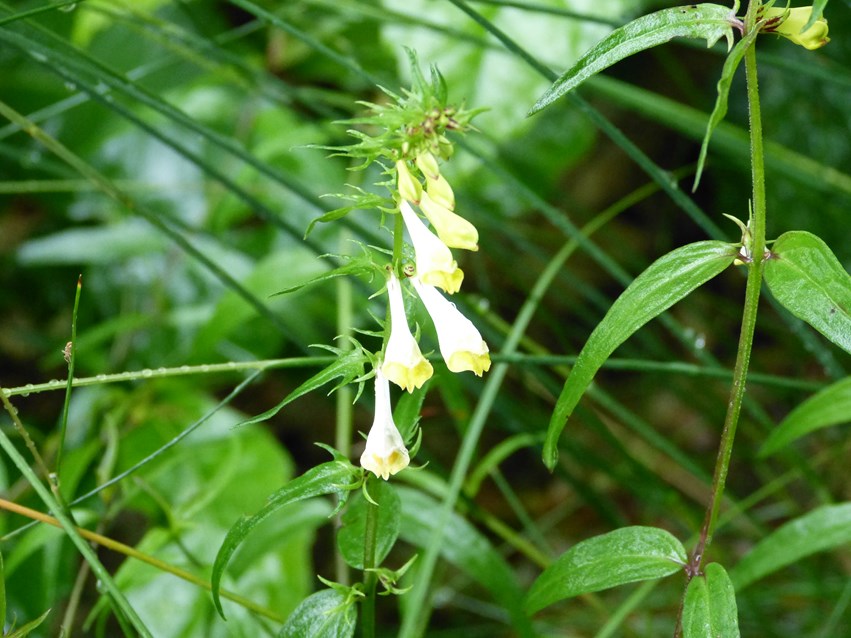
(370, 538)
(755, 269)
(344, 416)
(71, 357)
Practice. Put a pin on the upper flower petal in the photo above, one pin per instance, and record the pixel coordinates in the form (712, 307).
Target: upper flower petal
(461, 344)
(385, 452)
(453, 229)
(403, 364)
(435, 265)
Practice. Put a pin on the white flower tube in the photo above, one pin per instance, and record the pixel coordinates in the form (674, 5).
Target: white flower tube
(435, 265)
(461, 344)
(403, 364)
(385, 452)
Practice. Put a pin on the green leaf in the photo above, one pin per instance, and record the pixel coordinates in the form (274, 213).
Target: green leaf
(465, 548)
(327, 478)
(325, 614)
(830, 406)
(623, 556)
(823, 528)
(701, 21)
(24, 630)
(351, 534)
(665, 282)
(818, 12)
(709, 608)
(355, 266)
(808, 280)
(720, 110)
(347, 368)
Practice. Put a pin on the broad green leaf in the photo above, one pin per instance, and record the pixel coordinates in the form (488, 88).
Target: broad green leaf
(830, 406)
(720, 110)
(623, 556)
(823, 528)
(325, 614)
(709, 608)
(351, 534)
(466, 549)
(665, 282)
(808, 280)
(347, 368)
(700, 21)
(327, 478)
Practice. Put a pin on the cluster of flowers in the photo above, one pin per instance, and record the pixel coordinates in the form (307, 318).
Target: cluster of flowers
(461, 344)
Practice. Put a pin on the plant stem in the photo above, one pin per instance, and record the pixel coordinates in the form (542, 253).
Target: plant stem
(755, 269)
(344, 415)
(370, 538)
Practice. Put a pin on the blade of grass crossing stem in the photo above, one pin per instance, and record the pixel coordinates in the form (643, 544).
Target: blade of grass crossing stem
(103, 576)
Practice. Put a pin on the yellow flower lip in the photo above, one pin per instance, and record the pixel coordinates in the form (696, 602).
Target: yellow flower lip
(385, 453)
(403, 364)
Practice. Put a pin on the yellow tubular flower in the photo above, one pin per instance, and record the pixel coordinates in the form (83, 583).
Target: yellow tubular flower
(385, 452)
(435, 265)
(427, 163)
(461, 344)
(403, 364)
(454, 230)
(790, 22)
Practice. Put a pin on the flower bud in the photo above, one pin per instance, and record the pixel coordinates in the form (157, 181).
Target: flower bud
(409, 186)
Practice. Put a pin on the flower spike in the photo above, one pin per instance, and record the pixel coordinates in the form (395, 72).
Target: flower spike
(435, 265)
(385, 452)
(403, 364)
(461, 344)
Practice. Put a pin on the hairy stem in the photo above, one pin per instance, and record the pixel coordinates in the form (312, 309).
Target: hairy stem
(755, 270)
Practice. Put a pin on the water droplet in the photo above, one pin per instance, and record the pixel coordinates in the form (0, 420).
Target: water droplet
(101, 377)
(161, 370)
(147, 373)
(204, 368)
(184, 368)
(700, 342)
(38, 56)
(68, 8)
(70, 86)
(7, 393)
(231, 365)
(101, 88)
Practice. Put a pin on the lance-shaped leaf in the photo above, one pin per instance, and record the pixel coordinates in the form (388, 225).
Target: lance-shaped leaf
(328, 478)
(823, 528)
(700, 21)
(830, 406)
(808, 280)
(623, 556)
(730, 65)
(665, 282)
(347, 368)
(709, 608)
